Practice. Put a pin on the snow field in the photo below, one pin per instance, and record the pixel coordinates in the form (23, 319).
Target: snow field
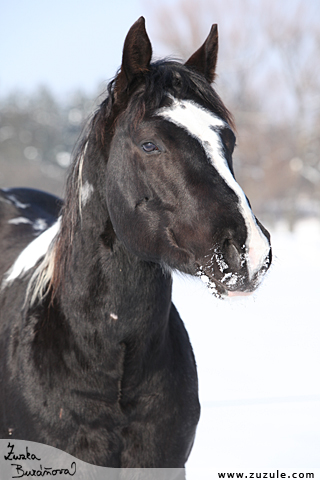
(258, 362)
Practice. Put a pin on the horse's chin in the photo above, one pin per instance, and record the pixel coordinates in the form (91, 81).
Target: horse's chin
(227, 287)
(220, 291)
(239, 294)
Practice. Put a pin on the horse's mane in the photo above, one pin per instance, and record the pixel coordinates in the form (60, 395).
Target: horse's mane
(146, 94)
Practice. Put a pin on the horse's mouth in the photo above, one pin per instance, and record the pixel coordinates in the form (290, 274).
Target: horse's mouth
(219, 290)
(230, 284)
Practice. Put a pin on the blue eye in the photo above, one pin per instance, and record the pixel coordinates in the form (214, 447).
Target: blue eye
(150, 147)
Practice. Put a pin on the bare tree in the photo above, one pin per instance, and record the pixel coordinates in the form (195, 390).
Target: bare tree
(269, 76)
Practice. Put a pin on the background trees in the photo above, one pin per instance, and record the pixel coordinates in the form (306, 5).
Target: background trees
(37, 136)
(268, 75)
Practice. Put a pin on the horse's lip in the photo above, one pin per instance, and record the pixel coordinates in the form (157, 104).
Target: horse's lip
(238, 293)
(220, 289)
(223, 292)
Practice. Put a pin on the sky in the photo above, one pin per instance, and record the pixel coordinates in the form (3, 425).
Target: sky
(71, 44)
(65, 44)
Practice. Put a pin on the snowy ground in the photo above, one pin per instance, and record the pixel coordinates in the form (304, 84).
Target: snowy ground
(259, 363)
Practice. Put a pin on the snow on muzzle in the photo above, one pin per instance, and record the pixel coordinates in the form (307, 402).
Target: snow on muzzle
(230, 269)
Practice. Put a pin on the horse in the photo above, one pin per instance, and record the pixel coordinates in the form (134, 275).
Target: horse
(95, 359)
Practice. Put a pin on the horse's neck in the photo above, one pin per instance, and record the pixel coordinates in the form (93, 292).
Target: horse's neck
(112, 294)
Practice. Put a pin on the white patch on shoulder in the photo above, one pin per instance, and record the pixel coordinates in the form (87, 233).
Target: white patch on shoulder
(19, 220)
(16, 202)
(198, 122)
(86, 192)
(29, 257)
(40, 225)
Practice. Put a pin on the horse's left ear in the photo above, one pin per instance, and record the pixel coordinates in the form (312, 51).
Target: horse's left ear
(204, 60)
(136, 56)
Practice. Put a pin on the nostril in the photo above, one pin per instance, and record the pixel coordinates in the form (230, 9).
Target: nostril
(231, 255)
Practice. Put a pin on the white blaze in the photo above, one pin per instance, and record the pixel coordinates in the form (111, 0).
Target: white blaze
(198, 122)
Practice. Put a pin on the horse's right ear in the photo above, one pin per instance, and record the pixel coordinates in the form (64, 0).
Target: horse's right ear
(204, 60)
(136, 56)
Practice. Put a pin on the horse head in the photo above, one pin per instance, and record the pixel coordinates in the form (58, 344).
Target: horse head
(170, 188)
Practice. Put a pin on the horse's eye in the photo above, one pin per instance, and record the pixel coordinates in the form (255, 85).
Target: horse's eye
(150, 147)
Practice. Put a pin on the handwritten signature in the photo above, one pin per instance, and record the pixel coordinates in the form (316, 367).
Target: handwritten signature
(20, 471)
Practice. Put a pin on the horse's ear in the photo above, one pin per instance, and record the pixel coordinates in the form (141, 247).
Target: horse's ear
(204, 60)
(136, 56)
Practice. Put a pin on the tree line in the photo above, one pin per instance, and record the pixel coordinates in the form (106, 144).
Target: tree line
(37, 136)
(268, 76)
